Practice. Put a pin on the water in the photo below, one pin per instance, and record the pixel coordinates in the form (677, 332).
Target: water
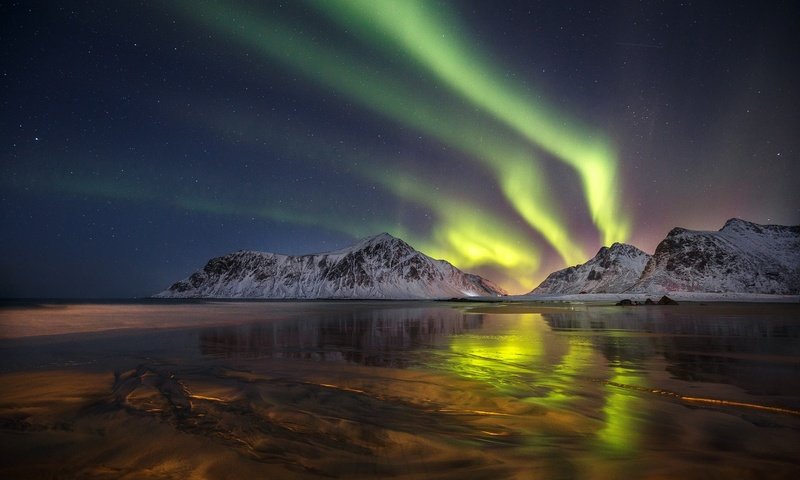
(398, 389)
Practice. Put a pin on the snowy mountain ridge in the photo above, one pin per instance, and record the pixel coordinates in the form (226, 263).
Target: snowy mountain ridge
(741, 257)
(378, 267)
(614, 269)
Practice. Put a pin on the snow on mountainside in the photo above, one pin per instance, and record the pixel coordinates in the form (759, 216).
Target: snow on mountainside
(614, 269)
(377, 267)
(742, 257)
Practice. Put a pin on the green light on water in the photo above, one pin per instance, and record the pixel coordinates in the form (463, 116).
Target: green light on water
(618, 435)
(519, 361)
(524, 361)
(502, 360)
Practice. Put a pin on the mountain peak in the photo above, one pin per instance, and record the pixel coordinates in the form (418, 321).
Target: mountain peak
(381, 241)
(624, 248)
(613, 270)
(739, 224)
(676, 231)
(380, 238)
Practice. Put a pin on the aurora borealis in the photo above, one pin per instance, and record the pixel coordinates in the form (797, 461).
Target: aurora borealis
(510, 138)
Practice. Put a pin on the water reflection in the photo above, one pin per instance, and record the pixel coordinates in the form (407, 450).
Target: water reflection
(755, 349)
(413, 390)
(606, 366)
(536, 355)
(384, 337)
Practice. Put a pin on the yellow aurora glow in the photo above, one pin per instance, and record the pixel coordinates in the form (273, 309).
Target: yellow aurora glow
(464, 234)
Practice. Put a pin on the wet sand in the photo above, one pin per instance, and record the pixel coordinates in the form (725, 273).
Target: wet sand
(405, 391)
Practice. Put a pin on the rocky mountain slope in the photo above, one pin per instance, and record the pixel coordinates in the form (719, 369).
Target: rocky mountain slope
(613, 270)
(741, 257)
(381, 267)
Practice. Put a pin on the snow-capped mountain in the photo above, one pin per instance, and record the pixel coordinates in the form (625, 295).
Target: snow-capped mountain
(741, 257)
(613, 270)
(377, 267)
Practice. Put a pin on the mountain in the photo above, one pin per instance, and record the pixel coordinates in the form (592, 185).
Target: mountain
(613, 270)
(741, 257)
(382, 267)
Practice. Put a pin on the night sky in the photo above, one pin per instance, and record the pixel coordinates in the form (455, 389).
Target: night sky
(140, 139)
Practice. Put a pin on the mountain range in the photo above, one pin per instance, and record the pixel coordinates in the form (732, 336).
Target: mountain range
(379, 267)
(742, 257)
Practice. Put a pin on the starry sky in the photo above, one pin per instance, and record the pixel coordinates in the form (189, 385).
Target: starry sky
(512, 138)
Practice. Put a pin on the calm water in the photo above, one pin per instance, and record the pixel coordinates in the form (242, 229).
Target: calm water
(399, 389)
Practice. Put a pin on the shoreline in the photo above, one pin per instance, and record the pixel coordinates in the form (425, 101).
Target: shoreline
(694, 297)
(31, 318)
(613, 298)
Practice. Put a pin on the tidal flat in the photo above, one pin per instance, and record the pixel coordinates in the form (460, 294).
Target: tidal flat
(204, 389)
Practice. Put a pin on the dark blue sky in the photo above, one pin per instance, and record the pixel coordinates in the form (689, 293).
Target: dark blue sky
(139, 139)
